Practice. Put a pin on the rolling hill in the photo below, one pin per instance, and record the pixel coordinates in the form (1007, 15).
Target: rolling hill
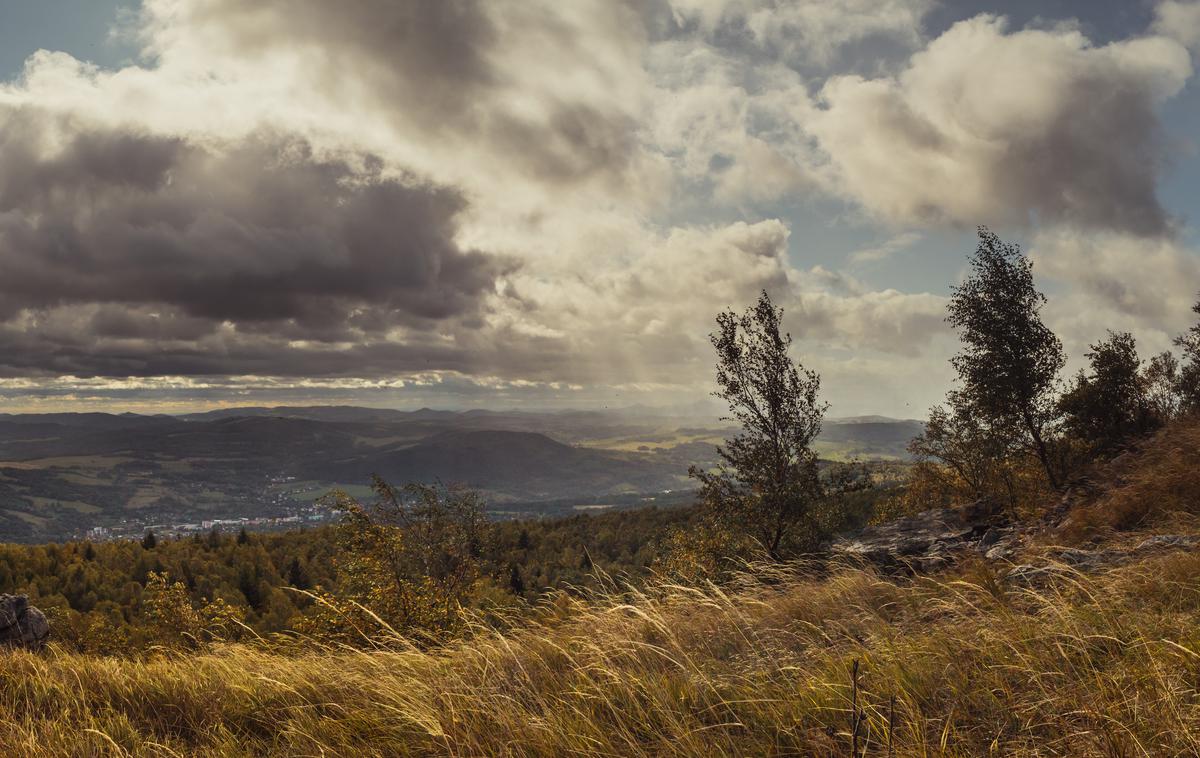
(62, 473)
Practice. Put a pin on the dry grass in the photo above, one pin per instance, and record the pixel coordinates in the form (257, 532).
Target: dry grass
(1094, 666)
(1104, 665)
(1157, 483)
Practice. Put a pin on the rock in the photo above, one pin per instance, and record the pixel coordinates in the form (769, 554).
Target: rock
(928, 540)
(1002, 552)
(1168, 541)
(22, 625)
(936, 538)
(999, 543)
(1064, 561)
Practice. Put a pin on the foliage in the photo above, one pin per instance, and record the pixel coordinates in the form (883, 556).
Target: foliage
(768, 486)
(1009, 359)
(408, 562)
(1006, 412)
(707, 551)
(172, 620)
(1188, 382)
(1113, 404)
(1163, 387)
(963, 456)
(94, 591)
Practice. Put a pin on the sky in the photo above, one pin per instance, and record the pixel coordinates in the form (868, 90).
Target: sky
(537, 204)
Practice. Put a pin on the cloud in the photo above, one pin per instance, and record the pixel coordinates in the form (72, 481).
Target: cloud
(978, 125)
(810, 35)
(540, 193)
(151, 239)
(1180, 20)
(1148, 284)
(890, 247)
(447, 72)
(986, 126)
(1118, 282)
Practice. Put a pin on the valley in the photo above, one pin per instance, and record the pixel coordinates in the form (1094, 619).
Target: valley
(65, 476)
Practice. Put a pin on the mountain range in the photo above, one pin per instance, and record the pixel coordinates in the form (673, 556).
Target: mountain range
(62, 472)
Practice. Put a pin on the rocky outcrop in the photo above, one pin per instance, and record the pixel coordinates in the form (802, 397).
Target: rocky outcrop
(932, 539)
(22, 625)
(1058, 562)
(936, 538)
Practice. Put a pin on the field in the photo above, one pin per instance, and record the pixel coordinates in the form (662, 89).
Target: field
(799, 659)
(956, 665)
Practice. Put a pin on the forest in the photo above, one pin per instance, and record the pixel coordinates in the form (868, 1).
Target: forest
(100, 596)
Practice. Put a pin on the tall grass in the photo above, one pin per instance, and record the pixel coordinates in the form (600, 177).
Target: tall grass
(1104, 665)
(1157, 482)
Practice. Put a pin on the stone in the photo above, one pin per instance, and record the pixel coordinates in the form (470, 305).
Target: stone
(936, 538)
(928, 540)
(22, 625)
(1064, 561)
(1168, 541)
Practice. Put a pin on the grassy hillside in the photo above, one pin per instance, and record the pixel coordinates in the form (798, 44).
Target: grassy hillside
(1095, 666)
(964, 663)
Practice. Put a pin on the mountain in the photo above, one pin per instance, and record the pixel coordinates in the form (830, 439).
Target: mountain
(332, 413)
(868, 437)
(524, 464)
(63, 473)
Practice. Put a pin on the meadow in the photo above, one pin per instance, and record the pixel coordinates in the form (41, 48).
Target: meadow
(960, 664)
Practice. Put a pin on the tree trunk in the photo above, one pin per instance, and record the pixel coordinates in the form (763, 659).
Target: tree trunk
(1040, 446)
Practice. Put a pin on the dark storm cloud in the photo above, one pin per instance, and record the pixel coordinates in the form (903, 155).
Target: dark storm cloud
(58, 343)
(142, 241)
(1070, 172)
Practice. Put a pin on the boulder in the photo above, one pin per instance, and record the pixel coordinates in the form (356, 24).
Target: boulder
(930, 539)
(22, 625)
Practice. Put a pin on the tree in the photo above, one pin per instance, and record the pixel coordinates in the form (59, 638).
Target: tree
(173, 620)
(149, 541)
(768, 485)
(409, 559)
(516, 584)
(1162, 386)
(1188, 385)
(296, 575)
(1110, 406)
(960, 456)
(243, 537)
(1009, 359)
(248, 585)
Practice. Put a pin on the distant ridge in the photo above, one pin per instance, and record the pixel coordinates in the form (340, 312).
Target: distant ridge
(872, 420)
(61, 473)
(506, 460)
